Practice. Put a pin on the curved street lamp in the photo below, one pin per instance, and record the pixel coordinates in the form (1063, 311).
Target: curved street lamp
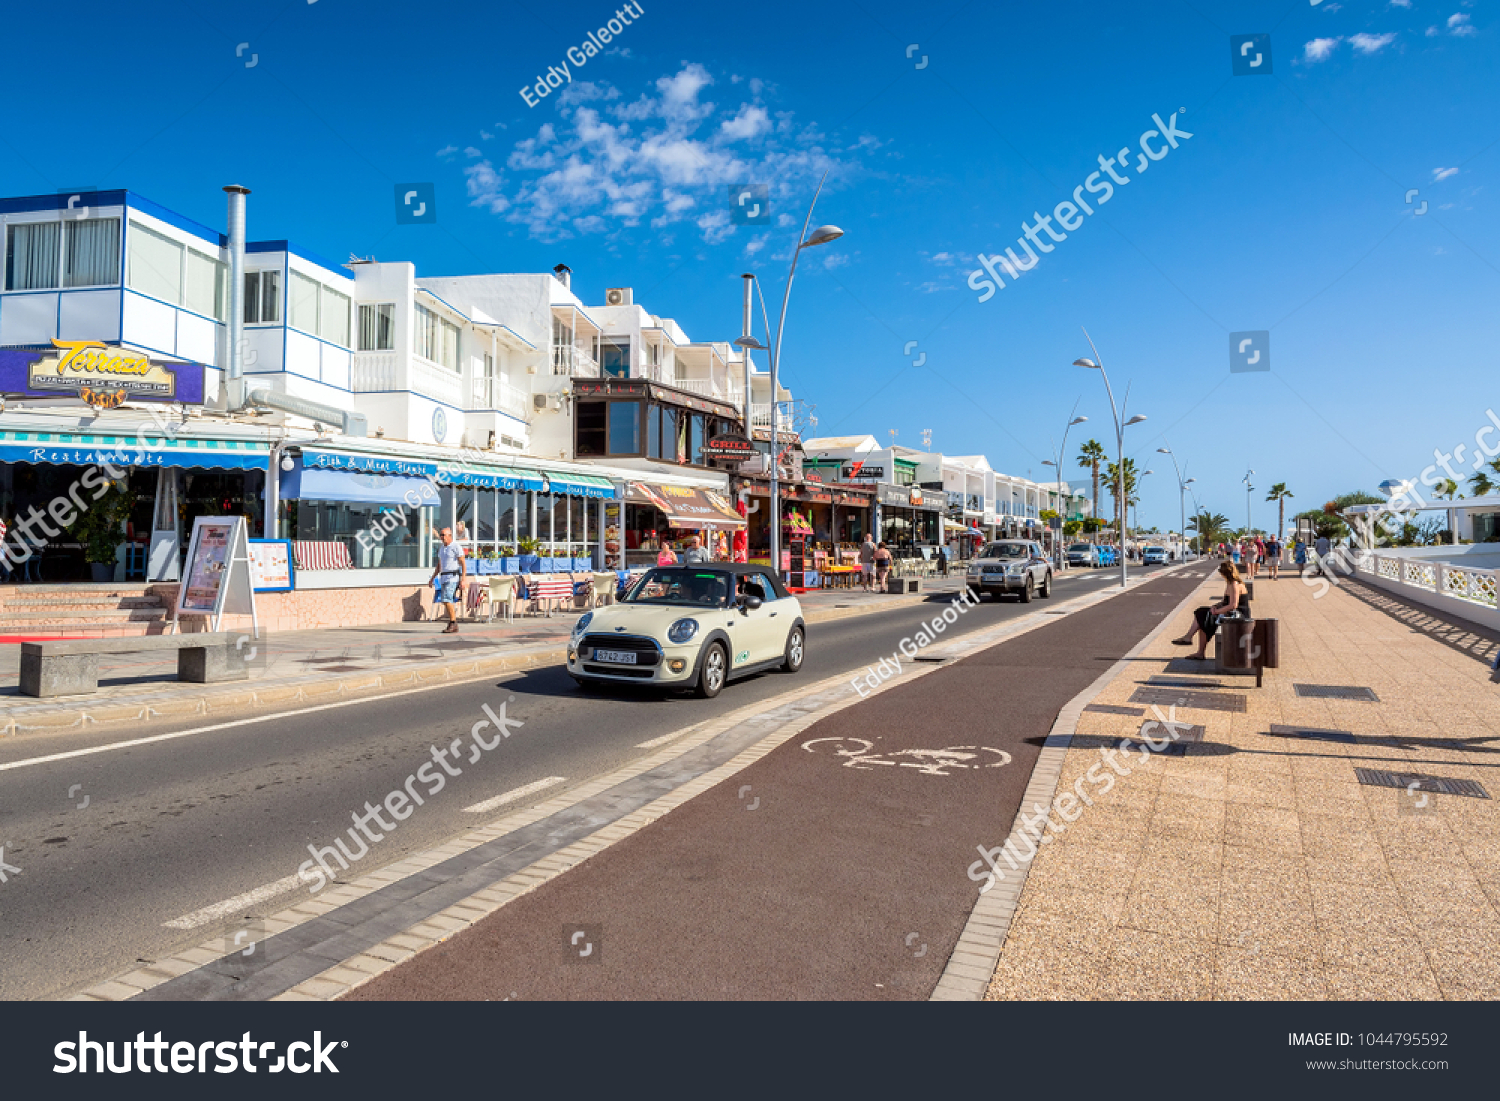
(820, 236)
(1062, 454)
(1097, 364)
(1181, 499)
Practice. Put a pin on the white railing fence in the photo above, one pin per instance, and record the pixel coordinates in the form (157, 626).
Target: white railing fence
(1479, 586)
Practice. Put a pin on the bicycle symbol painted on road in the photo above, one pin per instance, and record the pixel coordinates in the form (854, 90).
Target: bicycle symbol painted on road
(858, 754)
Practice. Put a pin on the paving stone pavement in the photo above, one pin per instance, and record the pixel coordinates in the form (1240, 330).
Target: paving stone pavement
(1256, 866)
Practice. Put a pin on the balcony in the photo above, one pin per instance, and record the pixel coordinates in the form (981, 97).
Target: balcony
(570, 359)
(376, 371)
(760, 417)
(381, 371)
(496, 393)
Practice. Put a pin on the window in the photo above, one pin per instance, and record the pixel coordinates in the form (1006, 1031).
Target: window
(333, 317)
(302, 310)
(654, 434)
(203, 285)
(614, 361)
(154, 264)
(590, 438)
(31, 256)
(93, 253)
(435, 338)
(905, 475)
(262, 297)
(695, 440)
(624, 428)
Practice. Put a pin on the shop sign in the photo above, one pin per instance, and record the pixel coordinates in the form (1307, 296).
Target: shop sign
(733, 448)
(860, 471)
(101, 374)
(366, 464)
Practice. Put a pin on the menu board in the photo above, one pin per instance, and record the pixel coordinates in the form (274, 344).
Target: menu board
(208, 559)
(271, 565)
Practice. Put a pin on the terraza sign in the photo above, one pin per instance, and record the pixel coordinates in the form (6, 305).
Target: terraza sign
(734, 448)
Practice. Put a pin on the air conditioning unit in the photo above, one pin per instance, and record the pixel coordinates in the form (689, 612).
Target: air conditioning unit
(619, 296)
(539, 402)
(543, 402)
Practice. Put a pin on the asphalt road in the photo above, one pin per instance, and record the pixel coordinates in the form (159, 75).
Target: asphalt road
(848, 882)
(114, 845)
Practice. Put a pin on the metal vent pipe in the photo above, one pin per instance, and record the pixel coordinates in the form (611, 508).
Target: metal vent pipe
(233, 390)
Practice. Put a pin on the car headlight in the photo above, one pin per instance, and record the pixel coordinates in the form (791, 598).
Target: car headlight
(974, 567)
(682, 631)
(583, 622)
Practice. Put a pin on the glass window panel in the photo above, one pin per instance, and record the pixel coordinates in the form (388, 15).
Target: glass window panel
(544, 518)
(624, 428)
(653, 431)
(93, 256)
(154, 264)
(333, 321)
(303, 309)
(484, 523)
(201, 284)
(31, 256)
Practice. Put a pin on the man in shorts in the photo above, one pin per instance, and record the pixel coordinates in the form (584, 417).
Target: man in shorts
(451, 572)
(867, 561)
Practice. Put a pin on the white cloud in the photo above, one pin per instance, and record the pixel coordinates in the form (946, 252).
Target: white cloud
(1432, 32)
(1370, 43)
(447, 151)
(1443, 173)
(667, 157)
(1318, 49)
(1400, 3)
(1458, 24)
(471, 153)
(485, 135)
(835, 260)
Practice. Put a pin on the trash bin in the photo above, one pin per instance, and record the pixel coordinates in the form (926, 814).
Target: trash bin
(1268, 642)
(1233, 645)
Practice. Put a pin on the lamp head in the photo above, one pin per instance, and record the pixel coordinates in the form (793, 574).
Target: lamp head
(821, 236)
(1163, 450)
(1085, 363)
(1190, 481)
(1076, 420)
(1145, 472)
(1135, 420)
(750, 342)
(1048, 462)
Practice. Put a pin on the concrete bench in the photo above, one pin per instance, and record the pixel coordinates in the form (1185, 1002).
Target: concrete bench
(71, 667)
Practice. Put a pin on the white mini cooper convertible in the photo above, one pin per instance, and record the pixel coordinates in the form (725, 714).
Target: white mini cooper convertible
(693, 627)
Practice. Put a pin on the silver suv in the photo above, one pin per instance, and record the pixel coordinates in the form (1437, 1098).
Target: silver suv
(1011, 566)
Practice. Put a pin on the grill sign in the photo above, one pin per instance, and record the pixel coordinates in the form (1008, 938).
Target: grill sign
(104, 375)
(734, 448)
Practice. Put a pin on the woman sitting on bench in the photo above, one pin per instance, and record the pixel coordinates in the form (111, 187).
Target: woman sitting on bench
(1236, 604)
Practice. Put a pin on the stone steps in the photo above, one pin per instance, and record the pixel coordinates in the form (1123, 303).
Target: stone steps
(83, 610)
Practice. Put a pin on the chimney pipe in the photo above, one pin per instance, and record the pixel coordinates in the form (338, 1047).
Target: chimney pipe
(232, 389)
(564, 275)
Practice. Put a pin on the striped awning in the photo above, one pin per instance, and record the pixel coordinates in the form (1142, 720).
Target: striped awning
(149, 448)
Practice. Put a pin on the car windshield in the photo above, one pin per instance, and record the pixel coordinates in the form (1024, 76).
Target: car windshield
(1081, 548)
(684, 587)
(1005, 550)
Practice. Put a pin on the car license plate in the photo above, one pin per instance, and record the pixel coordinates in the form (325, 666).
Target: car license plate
(619, 657)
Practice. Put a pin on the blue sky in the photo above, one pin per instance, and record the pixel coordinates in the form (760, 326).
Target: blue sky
(1285, 211)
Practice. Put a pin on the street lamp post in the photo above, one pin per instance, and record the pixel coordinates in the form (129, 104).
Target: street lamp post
(820, 236)
(1181, 498)
(1138, 506)
(1097, 364)
(1062, 454)
(1249, 489)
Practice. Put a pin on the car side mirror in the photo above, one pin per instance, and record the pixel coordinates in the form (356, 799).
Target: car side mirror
(750, 603)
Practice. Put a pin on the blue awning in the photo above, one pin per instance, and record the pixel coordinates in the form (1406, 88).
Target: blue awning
(89, 449)
(320, 484)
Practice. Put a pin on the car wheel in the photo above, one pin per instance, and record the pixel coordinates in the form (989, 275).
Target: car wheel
(1026, 593)
(1047, 585)
(715, 669)
(795, 644)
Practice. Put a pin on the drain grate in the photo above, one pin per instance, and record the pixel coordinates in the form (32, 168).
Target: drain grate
(1312, 733)
(1115, 709)
(1185, 733)
(1439, 785)
(1184, 697)
(1336, 692)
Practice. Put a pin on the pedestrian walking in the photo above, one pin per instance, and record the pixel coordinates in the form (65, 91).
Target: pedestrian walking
(666, 556)
(882, 567)
(1323, 546)
(1234, 554)
(696, 553)
(867, 561)
(1299, 555)
(451, 574)
(1274, 551)
(1206, 619)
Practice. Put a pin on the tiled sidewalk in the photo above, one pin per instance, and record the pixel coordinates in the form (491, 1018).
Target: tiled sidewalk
(1256, 866)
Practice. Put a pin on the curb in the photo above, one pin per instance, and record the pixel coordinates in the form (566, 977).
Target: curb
(804, 706)
(983, 938)
(153, 704)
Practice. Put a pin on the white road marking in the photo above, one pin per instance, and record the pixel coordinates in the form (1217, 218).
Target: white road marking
(518, 793)
(222, 726)
(232, 905)
(665, 738)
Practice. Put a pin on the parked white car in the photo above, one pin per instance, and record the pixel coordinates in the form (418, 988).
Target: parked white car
(695, 627)
(1017, 566)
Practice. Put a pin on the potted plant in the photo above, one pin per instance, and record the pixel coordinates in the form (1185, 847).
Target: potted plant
(526, 561)
(98, 529)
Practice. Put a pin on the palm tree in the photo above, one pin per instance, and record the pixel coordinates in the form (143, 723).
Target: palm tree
(1481, 483)
(1446, 489)
(1208, 526)
(1091, 455)
(1280, 493)
(1113, 471)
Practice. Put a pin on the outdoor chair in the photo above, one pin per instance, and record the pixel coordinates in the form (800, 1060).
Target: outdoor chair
(503, 591)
